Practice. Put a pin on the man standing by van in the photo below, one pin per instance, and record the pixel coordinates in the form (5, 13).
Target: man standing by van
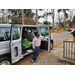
(36, 46)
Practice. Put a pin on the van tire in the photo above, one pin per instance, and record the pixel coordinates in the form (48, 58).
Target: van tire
(51, 45)
(5, 60)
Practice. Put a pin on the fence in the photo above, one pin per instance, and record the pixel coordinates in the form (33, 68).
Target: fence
(69, 49)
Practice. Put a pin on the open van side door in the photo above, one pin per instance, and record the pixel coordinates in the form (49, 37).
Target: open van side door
(44, 32)
(16, 43)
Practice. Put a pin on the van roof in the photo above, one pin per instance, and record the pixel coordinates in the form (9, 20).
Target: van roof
(9, 25)
(44, 25)
(5, 25)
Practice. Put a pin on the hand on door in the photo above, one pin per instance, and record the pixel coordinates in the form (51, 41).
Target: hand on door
(47, 40)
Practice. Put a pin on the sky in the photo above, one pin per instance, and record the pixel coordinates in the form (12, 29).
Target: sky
(49, 17)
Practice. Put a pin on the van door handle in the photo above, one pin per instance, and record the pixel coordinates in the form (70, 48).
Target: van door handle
(12, 44)
(20, 41)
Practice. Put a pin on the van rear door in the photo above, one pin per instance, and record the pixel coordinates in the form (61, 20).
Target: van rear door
(44, 31)
(15, 43)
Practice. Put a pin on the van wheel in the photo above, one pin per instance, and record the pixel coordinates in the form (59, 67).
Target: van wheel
(51, 45)
(5, 61)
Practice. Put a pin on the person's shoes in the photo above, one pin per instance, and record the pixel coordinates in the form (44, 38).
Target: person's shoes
(32, 61)
(35, 60)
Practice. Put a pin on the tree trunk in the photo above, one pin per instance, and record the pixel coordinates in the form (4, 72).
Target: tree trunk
(53, 20)
(64, 19)
(6, 20)
(59, 20)
(22, 16)
(2, 18)
(36, 16)
(47, 16)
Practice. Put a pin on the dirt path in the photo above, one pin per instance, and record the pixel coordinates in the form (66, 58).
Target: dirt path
(52, 57)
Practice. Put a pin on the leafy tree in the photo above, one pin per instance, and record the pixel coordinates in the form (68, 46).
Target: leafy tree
(73, 20)
(46, 22)
(45, 15)
(27, 12)
(65, 14)
(71, 23)
(17, 12)
(70, 17)
(3, 16)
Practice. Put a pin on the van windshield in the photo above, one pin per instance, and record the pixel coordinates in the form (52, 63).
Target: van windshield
(4, 33)
(44, 32)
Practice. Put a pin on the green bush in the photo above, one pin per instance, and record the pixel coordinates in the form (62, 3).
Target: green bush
(67, 26)
(26, 43)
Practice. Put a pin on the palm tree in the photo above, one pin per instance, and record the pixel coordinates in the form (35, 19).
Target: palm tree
(65, 15)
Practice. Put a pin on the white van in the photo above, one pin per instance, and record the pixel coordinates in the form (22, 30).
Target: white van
(11, 41)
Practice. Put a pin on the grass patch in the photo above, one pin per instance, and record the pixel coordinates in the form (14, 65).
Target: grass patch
(60, 30)
(73, 27)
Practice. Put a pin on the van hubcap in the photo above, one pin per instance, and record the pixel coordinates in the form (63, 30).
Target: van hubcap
(5, 63)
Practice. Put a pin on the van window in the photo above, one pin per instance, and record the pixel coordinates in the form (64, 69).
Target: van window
(30, 32)
(44, 32)
(4, 33)
(16, 33)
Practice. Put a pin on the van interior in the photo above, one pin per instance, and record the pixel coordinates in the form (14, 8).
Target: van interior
(28, 34)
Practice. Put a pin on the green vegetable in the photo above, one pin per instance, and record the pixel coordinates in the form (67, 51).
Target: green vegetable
(26, 43)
